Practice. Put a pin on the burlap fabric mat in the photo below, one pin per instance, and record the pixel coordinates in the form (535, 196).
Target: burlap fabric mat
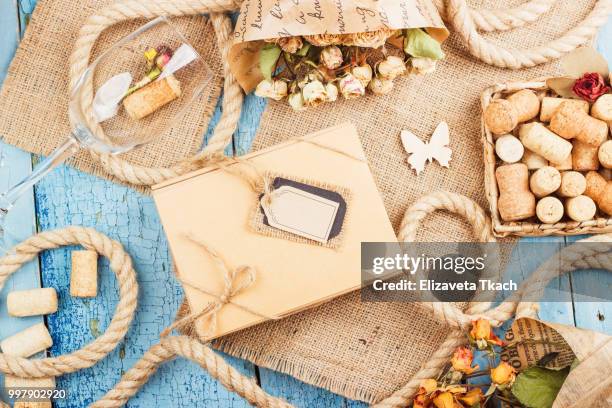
(366, 351)
(34, 96)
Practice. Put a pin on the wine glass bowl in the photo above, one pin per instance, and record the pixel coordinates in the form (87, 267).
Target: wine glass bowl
(126, 62)
(125, 98)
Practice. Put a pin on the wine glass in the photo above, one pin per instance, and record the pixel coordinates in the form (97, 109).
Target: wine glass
(127, 97)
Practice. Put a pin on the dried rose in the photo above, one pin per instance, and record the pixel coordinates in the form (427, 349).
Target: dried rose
(392, 67)
(331, 57)
(332, 92)
(503, 374)
(290, 44)
(314, 93)
(296, 101)
(444, 400)
(482, 334)
(591, 86)
(363, 73)
(462, 360)
(472, 397)
(372, 39)
(275, 89)
(164, 53)
(351, 87)
(323, 40)
(380, 86)
(421, 399)
(423, 65)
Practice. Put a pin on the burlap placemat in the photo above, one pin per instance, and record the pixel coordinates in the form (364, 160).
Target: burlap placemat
(364, 350)
(34, 96)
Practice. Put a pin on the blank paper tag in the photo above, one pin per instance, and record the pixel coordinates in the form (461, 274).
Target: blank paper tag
(302, 213)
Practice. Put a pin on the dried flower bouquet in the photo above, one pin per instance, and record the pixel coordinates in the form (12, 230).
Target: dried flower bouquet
(313, 69)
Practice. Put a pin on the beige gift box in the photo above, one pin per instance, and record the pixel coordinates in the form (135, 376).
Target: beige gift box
(291, 276)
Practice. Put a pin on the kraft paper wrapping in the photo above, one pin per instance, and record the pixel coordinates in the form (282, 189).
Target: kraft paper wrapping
(216, 207)
(266, 19)
(589, 383)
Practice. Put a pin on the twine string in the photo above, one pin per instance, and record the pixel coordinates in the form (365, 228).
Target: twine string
(235, 280)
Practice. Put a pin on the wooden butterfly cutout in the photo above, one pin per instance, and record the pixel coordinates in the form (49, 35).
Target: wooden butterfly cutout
(421, 152)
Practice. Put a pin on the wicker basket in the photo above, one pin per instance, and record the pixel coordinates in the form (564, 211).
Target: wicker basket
(530, 227)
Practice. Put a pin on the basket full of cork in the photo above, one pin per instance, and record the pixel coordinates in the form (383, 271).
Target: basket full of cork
(548, 152)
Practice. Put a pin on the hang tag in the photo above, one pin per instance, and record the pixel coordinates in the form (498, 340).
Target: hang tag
(304, 210)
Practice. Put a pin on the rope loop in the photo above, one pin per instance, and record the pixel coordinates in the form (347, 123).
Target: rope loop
(120, 264)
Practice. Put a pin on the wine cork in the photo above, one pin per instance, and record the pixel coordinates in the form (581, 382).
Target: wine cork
(537, 138)
(33, 302)
(545, 181)
(606, 173)
(28, 342)
(571, 122)
(509, 149)
(17, 382)
(584, 156)
(549, 210)
(604, 155)
(84, 274)
(595, 185)
(151, 97)
(573, 184)
(503, 115)
(605, 199)
(566, 164)
(580, 208)
(533, 161)
(33, 404)
(602, 108)
(515, 202)
(550, 105)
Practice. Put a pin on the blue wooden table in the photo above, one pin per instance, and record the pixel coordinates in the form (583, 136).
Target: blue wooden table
(70, 197)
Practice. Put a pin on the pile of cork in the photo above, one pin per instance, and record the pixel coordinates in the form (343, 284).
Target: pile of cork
(555, 159)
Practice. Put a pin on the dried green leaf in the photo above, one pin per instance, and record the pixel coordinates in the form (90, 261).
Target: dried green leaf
(268, 57)
(418, 43)
(304, 50)
(562, 86)
(583, 60)
(537, 387)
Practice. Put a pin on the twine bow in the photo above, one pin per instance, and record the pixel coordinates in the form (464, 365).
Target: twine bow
(235, 280)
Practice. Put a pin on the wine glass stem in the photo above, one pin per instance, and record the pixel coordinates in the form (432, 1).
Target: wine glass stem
(63, 152)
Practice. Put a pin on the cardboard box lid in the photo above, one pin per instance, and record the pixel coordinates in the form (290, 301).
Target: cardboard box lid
(215, 206)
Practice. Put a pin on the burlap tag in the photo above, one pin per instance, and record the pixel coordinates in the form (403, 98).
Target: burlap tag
(34, 96)
(364, 350)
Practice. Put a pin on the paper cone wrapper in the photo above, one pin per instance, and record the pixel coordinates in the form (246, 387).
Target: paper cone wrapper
(589, 384)
(268, 19)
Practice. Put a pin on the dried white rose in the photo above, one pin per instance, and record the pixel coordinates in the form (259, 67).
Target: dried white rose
(314, 93)
(423, 65)
(332, 92)
(290, 44)
(308, 78)
(331, 57)
(392, 67)
(275, 89)
(296, 100)
(381, 86)
(363, 73)
(351, 87)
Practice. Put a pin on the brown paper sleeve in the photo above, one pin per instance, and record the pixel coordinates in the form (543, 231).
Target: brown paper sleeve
(266, 19)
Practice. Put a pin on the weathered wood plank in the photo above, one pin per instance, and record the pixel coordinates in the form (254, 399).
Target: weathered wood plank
(14, 165)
